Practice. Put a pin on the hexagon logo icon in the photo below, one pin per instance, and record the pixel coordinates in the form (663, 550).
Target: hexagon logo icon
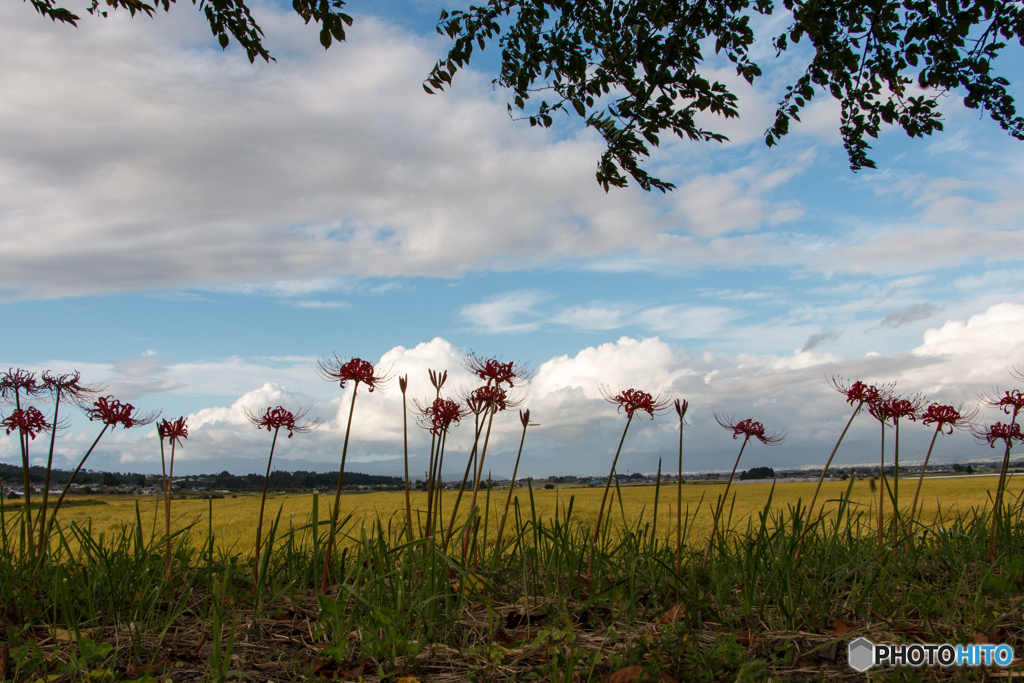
(861, 654)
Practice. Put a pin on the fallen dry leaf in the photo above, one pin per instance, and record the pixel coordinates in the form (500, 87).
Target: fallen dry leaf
(627, 675)
(674, 613)
(841, 627)
(747, 639)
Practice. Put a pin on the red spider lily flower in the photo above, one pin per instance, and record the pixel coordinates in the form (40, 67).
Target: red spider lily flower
(27, 421)
(491, 370)
(1007, 433)
(438, 378)
(681, 408)
(948, 417)
(1011, 402)
(354, 370)
(748, 428)
(68, 387)
(632, 400)
(281, 418)
(487, 396)
(895, 408)
(440, 416)
(859, 392)
(174, 431)
(16, 382)
(112, 412)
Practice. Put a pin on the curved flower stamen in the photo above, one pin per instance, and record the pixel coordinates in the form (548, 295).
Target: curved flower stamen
(281, 418)
(632, 400)
(354, 370)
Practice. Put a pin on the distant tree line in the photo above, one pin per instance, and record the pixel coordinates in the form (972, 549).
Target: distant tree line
(301, 479)
(758, 473)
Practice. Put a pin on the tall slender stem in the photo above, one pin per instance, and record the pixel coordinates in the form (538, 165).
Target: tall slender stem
(49, 469)
(511, 488)
(824, 471)
(26, 476)
(337, 494)
(721, 503)
(478, 428)
(896, 480)
(259, 524)
(679, 505)
(476, 478)
(881, 488)
(997, 509)
(604, 498)
(405, 441)
(167, 511)
(74, 474)
(920, 479)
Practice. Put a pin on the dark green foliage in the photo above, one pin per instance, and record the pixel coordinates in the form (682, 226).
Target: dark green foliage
(757, 473)
(631, 68)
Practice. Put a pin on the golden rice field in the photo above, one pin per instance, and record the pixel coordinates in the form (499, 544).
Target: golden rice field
(234, 519)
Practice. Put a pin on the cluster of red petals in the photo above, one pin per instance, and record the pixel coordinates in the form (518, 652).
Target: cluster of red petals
(174, 431)
(750, 429)
(355, 370)
(943, 417)
(112, 412)
(858, 392)
(281, 418)
(894, 409)
(495, 372)
(15, 382)
(27, 421)
(489, 397)
(442, 415)
(1002, 432)
(1011, 402)
(633, 400)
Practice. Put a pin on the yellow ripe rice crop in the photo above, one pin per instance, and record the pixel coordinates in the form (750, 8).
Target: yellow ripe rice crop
(234, 519)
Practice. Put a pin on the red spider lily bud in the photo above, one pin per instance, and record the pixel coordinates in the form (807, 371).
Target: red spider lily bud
(403, 384)
(748, 428)
(681, 408)
(947, 417)
(495, 372)
(632, 400)
(524, 417)
(355, 370)
(438, 378)
(112, 412)
(1007, 433)
(174, 431)
(281, 418)
(27, 421)
(15, 382)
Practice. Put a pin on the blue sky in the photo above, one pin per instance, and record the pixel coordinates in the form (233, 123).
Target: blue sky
(194, 231)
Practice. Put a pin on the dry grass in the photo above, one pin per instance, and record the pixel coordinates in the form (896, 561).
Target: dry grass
(234, 519)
